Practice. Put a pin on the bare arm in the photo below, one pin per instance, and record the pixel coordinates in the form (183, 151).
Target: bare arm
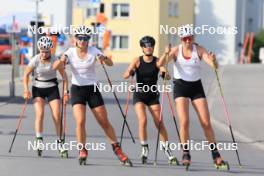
(26, 76)
(208, 58)
(170, 54)
(164, 72)
(131, 68)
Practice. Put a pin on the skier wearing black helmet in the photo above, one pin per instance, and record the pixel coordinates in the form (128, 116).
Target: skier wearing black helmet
(147, 68)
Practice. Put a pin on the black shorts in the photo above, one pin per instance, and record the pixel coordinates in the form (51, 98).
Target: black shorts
(148, 98)
(86, 94)
(192, 90)
(51, 93)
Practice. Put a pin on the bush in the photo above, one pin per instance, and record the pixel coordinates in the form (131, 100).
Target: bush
(258, 43)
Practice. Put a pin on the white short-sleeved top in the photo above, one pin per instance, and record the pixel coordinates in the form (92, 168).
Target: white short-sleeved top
(83, 70)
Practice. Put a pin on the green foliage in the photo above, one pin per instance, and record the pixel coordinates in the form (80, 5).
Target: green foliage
(258, 43)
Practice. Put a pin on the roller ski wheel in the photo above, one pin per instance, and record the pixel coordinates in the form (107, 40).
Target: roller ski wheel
(186, 161)
(39, 141)
(221, 165)
(127, 163)
(173, 161)
(144, 159)
(64, 154)
(39, 153)
(121, 156)
(83, 157)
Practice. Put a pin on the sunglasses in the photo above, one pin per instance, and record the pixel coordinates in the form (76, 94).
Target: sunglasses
(148, 45)
(83, 38)
(187, 38)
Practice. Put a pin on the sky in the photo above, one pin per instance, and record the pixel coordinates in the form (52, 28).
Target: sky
(25, 10)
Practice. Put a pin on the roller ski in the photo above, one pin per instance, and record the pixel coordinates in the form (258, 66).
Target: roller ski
(186, 160)
(144, 153)
(83, 157)
(172, 159)
(220, 164)
(39, 142)
(121, 156)
(62, 151)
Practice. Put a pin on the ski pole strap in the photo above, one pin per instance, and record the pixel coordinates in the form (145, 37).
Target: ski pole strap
(54, 80)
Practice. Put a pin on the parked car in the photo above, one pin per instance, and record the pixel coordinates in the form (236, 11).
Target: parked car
(5, 49)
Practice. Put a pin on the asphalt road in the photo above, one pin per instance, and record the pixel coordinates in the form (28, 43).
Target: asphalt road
(243, 90)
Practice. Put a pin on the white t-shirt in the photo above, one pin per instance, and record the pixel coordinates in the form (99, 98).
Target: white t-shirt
(83, 70)
(187, 69)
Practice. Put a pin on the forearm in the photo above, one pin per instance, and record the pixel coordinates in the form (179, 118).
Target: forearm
(57, 64)
(26, 83)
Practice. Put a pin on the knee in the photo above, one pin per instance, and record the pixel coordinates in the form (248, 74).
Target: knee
(105, 124)
(184, 124)
(206, 125)
(80, 123)
(162, 127)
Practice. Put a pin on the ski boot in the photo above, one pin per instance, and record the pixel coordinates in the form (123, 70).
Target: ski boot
(186, 160)
(121, 156)
(144, 153)
(62, 151)
(220, 164)
(83, 156)
(39, 142)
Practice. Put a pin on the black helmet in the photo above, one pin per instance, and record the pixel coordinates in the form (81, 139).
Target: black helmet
(147, 41)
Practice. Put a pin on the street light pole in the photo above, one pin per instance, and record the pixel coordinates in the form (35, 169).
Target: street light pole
(13, 60)
(243, 16)
(36, 25)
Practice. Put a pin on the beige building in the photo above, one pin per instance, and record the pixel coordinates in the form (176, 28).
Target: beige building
(130, 20)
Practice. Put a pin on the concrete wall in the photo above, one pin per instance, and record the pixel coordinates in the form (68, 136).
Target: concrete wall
(217, 13)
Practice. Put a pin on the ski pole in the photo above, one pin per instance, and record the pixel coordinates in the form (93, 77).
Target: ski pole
(18, 124)
(161, 108)
(126, 111)
(62, 108)
(64, 122)
(118, 103)
(173, 115)
(227, 114)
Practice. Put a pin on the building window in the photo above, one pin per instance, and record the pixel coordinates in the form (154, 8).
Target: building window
(120, 10)
(119, 42)
(91, 12)
(173, 8)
